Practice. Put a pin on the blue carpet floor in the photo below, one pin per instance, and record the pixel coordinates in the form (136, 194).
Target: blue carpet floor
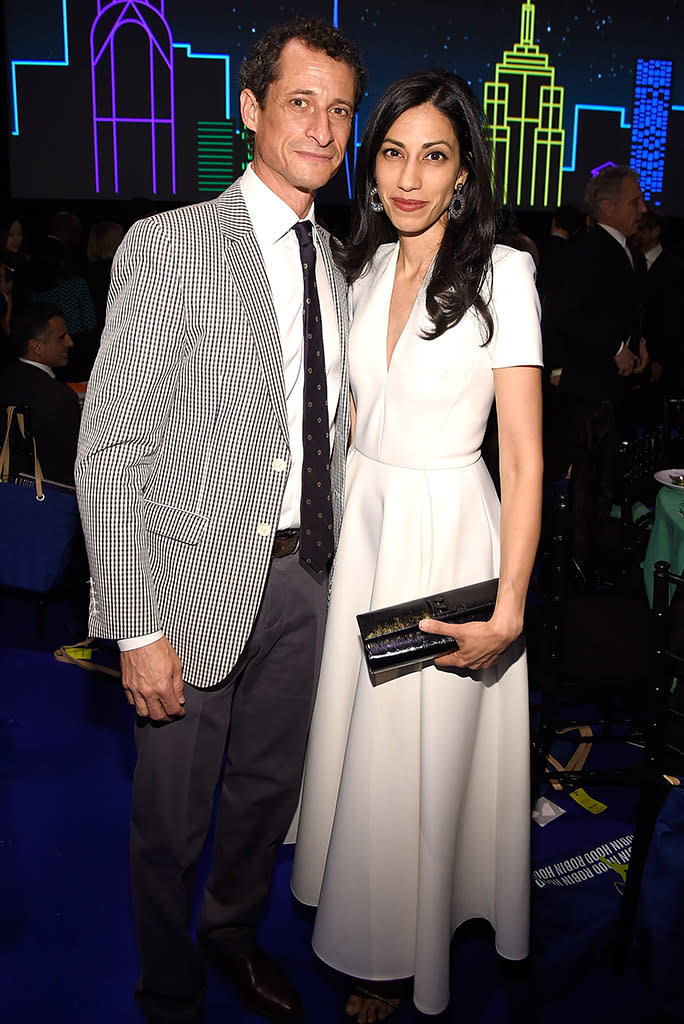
(67, 948)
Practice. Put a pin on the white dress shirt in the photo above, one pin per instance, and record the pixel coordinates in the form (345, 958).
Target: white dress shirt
(41, 366)
(273, 221)
(652, 255)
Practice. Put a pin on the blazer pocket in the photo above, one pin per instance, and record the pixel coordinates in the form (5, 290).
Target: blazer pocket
(176, 523)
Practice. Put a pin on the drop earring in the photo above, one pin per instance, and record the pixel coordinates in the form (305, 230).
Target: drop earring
(375, 201)
(456, 205)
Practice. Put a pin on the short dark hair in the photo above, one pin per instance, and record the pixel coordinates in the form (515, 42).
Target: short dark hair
(568, 218)
(31, 322)
(261, 66)
(464, 259)
(607, 184)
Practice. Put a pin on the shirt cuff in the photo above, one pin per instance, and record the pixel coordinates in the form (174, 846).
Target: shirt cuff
(132, 643)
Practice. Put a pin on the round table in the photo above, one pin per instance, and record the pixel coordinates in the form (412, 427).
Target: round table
(666, 543)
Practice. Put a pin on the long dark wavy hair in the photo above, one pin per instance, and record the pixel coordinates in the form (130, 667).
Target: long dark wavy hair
(464, 259)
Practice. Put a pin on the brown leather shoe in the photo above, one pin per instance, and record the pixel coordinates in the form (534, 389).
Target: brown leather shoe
(261, 983)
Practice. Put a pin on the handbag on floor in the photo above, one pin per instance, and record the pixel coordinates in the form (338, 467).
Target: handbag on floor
(38, 521)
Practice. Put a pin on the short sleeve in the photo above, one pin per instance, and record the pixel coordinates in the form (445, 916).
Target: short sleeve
(515, 310)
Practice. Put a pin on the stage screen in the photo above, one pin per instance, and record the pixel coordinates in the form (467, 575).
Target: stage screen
(139, 98)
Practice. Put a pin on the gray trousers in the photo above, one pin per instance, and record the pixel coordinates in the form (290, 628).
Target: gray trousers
(259, 716)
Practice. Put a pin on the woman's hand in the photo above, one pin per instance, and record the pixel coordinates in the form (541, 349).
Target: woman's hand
(479, 643)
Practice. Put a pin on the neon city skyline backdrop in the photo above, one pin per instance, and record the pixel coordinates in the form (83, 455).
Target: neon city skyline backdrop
(566, 87)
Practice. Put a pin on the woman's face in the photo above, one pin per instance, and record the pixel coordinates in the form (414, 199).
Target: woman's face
(417, 169)
(15, 237)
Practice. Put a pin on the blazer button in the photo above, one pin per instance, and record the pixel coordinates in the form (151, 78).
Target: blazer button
(279, 465)
(263, 529)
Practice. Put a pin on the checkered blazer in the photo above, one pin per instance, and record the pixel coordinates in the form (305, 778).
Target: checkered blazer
(183, 454)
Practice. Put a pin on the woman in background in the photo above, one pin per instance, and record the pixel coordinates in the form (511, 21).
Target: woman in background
(14, 264)
(415, 811)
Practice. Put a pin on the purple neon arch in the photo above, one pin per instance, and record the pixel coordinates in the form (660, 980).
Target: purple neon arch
(132, 13)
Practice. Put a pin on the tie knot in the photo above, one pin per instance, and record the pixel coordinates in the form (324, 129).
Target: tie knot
(303, 231)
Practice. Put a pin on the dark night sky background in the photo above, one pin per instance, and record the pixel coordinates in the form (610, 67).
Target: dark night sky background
(593, 45)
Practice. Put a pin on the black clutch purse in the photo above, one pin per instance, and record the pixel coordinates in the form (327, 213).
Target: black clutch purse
(391, 637)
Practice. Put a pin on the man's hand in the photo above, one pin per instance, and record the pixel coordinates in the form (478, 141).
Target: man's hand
(152, 678)
(626, 361)
(642, 358)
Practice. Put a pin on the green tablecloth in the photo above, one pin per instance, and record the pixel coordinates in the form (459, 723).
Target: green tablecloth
(666, 543)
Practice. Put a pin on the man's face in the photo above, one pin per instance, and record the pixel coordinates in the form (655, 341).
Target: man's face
(303, 127)
(52, 348)
(624, 212)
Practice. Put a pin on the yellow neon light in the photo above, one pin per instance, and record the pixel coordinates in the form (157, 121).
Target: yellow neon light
(525, 78)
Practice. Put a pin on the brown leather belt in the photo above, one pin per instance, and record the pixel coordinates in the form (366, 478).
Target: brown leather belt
(286, 543)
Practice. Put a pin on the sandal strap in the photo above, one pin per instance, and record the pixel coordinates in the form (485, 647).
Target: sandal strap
(366, 993)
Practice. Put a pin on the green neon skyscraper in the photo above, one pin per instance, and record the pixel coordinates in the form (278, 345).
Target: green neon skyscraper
(524, 108)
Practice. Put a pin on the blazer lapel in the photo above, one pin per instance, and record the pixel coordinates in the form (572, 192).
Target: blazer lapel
(249, 274)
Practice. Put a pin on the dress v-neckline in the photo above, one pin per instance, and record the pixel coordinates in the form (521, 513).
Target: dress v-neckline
(392, 273)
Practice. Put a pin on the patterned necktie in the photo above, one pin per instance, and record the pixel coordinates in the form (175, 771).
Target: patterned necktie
(316, 530)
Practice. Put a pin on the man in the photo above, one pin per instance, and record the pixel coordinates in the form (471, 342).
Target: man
(555, 256)
(663, 314)
(202, 454)
(598, 312)
(43, 344)
(566, 224)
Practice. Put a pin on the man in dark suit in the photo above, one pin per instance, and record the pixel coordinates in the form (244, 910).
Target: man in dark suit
(663, 314)
(211, 414)
(598, 312)
(555, 255)
(43, 344)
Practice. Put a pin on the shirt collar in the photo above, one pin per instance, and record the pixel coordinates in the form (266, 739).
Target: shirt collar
(271, 217)
(41, 366)
(617, 235)
(652, 255)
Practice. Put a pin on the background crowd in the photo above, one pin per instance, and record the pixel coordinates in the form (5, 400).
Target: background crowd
(612, 327)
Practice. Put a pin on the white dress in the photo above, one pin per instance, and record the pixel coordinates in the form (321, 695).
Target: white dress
(415, 807)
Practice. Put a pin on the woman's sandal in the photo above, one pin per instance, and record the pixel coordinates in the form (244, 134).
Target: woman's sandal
(361, 992)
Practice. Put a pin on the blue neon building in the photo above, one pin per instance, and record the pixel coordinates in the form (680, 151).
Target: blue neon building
(652, 90)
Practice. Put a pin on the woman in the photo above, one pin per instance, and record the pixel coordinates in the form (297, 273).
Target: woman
(415, 809)
(13, 261)
(11, 239)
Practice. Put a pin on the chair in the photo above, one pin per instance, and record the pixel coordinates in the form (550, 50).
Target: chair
(673, 419)
(664, 746)
(635, 463)
(590, 667)
(643, 708)
(618, 542)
